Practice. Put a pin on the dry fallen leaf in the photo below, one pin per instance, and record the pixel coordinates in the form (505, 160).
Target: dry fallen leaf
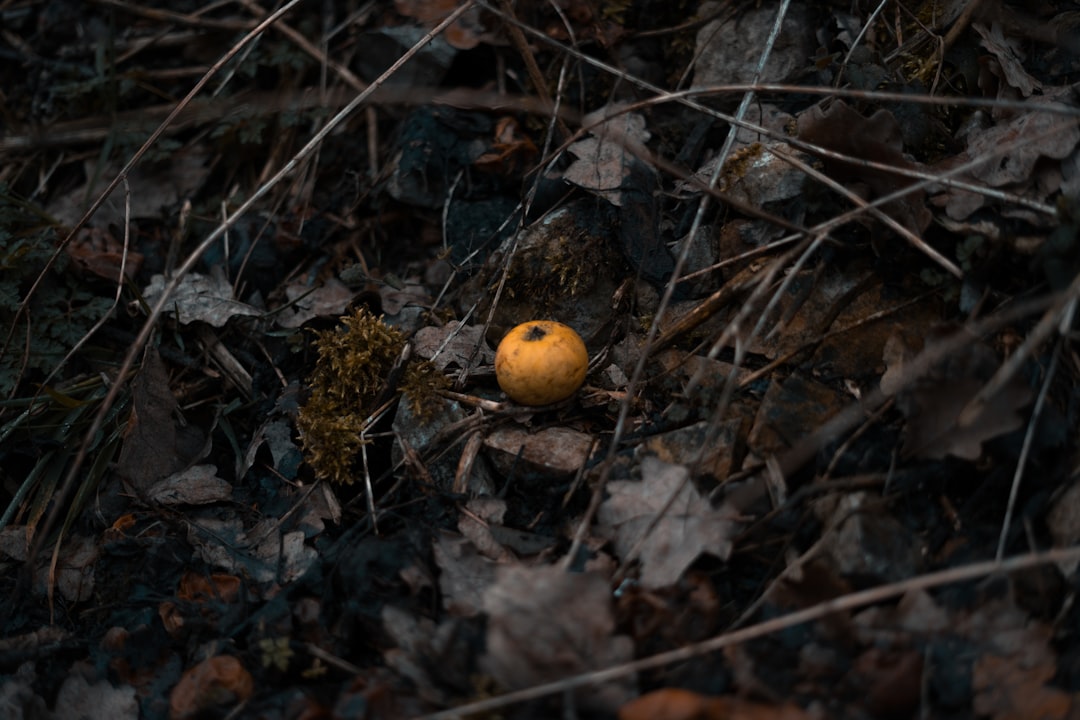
(933, 406)
(900, 350)
(878, 139)
(155, 446)
(1009, 56)
(465, 33)
(96, 250)
(866, 542)
(262, 552)
(434, 657)
(464, 574)
(453, 344)
(933, 429)
(79, 698)
(477, 528)
(1010, 658)
(74, 574)
(679, 704)
(218, 682)
(679, 522)
(158, 188)
(1026, 153)
(603, 159)
(276, 436)
(728, 47)
(197, 485)
(1006, 689)
(204, 298)
(1012, 678)
(331, 299)
(217, 587)
(791, 410)
(545, 624)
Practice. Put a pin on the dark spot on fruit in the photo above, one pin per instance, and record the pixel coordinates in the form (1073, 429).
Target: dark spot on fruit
(536, 332)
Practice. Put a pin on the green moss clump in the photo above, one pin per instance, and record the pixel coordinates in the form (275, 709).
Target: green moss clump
(564, 264)
(422, 384)
(351, 372)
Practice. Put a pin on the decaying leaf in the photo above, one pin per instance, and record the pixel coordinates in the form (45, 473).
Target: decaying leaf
(154, 446)
(934, 410)
(411, 296)
(276, 436)
(95, 700)
(262, 552)
(672, 522)
(74, 575)
(1010, 153)
(432, 656)
(1008, 689)
(328, 300)
(453, 344)
(466, 32)
(545, 624)
(1012, 679)
(603, 160)
(1028, 137)
(934, 405)
(203, 298)
(680, 704)
(510, 148)
(1008, 55)
(157, 188)
(865, 541)
(1009, 660)
(464, 574)
(899, 352)
(216, 682)
(729, 47)
(476, 525)
(878, 139)
(198, 485)
(792, 410)
(99, 253)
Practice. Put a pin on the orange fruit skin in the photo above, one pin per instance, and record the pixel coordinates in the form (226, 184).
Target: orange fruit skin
(541, 362)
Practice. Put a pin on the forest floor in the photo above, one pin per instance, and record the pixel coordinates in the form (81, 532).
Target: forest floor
(256, 459)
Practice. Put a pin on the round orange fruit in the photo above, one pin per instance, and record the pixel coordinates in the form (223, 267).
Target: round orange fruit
(541, 362)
